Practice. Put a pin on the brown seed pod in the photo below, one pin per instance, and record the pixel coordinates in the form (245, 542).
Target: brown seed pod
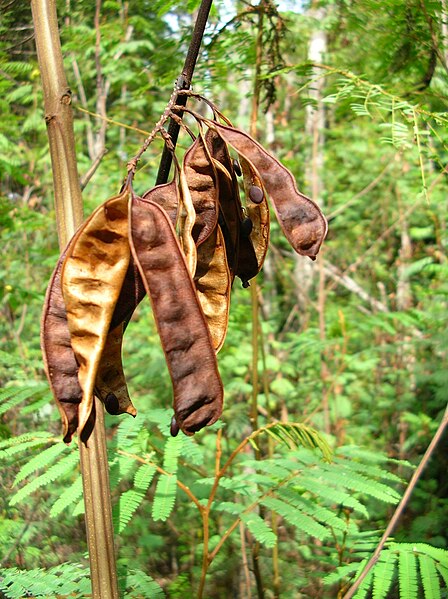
(257, 211)
(300, 218)
(60, 363)
(166, 196)
(92, 276)
(213, 285)
(183, 331)
(202, 182)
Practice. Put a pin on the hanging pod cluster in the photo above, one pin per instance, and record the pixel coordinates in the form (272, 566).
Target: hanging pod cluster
(182, 244)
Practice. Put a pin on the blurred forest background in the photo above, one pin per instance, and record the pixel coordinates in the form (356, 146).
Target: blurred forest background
(353, 102)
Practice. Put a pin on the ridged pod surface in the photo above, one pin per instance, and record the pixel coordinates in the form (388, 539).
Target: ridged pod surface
(300, 218)
(93, 272)
(183, 331)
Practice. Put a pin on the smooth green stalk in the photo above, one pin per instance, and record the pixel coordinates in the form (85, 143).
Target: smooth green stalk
(68, 205)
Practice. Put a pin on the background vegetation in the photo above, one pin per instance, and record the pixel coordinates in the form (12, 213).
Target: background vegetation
(353, 346)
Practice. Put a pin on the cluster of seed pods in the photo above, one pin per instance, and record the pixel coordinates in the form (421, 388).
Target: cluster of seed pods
(182, 244)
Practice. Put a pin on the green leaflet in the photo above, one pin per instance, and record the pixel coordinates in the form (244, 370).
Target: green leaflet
(67, 498)
(297, 518)
(10, 397)
(407, 574)
(430, 579)
(260, 530)
(62, 467)
(131, 500)
(40, 461)
(164, 497)
(383, 574)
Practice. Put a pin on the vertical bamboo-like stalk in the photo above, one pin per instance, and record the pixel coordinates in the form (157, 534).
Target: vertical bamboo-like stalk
(68, 204)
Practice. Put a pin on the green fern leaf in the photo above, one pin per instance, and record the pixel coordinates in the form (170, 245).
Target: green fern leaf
(14, 445)
(436, 553)
(318, 512)
(259, 529)
(13, 396)
(127, 505)
(67, 498)
(365, 586)
(171, 454)
(68, 580)
(361, 484)
(231, 507)
(58, 470)
(164, 497)
(443, 571)
(141, 583)
(296, 518)
(143, 477)
(40, 461)
(334, 496)
(342, 572)
(407, 575)
(430, 578)
(383, 574)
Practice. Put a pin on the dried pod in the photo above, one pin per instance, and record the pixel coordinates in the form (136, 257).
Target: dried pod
(59, 359)
(257, 211)
(110, 383)
(60, 363)
(187, 219)
(183, 331)
(300, 218)
(213, 285)
(92, 276)
(201, 179)
(166, 196)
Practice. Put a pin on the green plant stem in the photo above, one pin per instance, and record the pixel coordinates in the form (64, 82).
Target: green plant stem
(68, 205)
(401, 506)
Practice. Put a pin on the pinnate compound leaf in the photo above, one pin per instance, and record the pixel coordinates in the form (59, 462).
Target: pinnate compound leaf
(259, 529)
(165, 496)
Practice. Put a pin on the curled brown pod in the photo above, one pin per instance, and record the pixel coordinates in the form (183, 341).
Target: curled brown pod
(202, 182)
(257, 211)
(92, 276)
(183, 331)
(300, 218)
(166, 196)
(213, 285)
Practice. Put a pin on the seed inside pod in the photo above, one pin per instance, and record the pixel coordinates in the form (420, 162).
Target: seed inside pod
(246, 227)
(237, 167)
(174, 427)
(256, 194)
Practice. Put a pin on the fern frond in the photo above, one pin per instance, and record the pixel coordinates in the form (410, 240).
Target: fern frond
(443, 571)
(58, 470)
(383, 574)
(68, 580)
(67, 498)
(164, 497)
(357, 482)
(430, 578)
(331, 494)
(142, 584)
(259, 529)
(41, 460)
(318, 512)
(10, 447)
(10, 397)
(407, 574)
(171, 454)
(296, 434)
(131, 500)
(296, 518)
(231, 507)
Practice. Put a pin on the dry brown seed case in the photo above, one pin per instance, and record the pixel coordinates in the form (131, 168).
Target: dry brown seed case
(183, 331)
(300, 218)
(92, 277)
(213, 285)
(167, 196)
